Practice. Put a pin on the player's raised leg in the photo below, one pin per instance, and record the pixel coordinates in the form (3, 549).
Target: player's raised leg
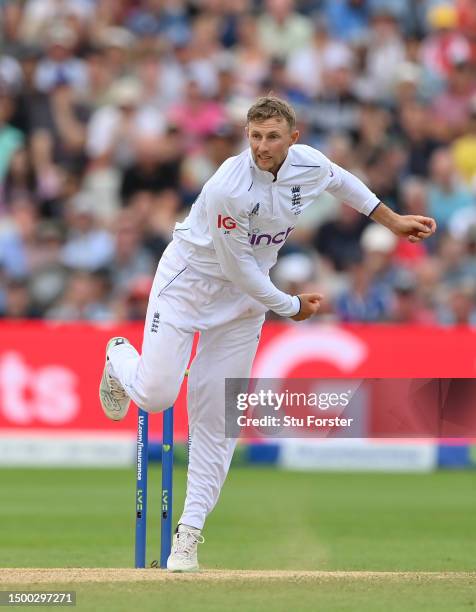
(153, 378)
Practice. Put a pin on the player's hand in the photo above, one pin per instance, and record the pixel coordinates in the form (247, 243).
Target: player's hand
(310, 304)
(414, 227)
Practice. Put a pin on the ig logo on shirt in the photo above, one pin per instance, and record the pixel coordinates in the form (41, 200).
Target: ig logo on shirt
(227, 223)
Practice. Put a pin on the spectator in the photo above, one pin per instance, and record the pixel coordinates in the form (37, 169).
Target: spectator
(161, 214)
(383, 171)
(281, 29)
(16, 236)
(378, 246)
(20, 180)
(11, 139)
(454, 262)
(414, 197)
(10, 74)
(131, 259)
(445, 45)
(133, 306)
(307, 66)
(252, 59)
(149, 173)
(12, 14)
(466, 11)
(98, 78)
(87, 246)
(451, 108)
(115, 44)
(416, 137)
(336, 108)
(18, 304)
(113, 129)
(373, 134)
(83, 300)
(31, 104)
(446, 195)
(464, 147)
(204, 54)
(338, 241)
(406, 13)
(407, 306)
(199, 167)
(460, 306)
(428, 278)
(409, 84)
(168, 21)
(50, 176)
(348, 19)
(385, 52)
(198, 117)
(48, 274)
(363, 300)
(39, 14)
(60, 63)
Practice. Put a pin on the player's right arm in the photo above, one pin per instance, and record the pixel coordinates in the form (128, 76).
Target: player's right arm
(229, 226)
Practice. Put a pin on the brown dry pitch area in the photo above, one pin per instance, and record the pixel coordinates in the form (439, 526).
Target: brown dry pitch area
(77, 575)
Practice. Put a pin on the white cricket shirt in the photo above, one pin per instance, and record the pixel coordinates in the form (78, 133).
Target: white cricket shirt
(243, 216)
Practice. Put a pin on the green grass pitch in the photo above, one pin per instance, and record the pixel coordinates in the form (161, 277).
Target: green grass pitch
(265, 520)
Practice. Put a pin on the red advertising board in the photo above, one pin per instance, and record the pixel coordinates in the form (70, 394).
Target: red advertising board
(49, 372)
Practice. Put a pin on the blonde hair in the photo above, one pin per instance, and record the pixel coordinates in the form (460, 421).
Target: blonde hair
(268, 107)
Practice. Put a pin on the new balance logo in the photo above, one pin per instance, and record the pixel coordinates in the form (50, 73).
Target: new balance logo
(255, 210)
(155, 323)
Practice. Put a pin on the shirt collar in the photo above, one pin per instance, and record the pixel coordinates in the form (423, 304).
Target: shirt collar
(264, 175)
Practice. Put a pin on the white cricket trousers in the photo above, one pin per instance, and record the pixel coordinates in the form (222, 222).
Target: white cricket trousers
(183, 301)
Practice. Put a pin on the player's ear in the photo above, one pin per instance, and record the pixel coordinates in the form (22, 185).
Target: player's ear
(294, 136)
(247, 131)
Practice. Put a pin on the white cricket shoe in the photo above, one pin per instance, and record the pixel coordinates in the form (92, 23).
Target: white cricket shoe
(183, 557)
(114, 400)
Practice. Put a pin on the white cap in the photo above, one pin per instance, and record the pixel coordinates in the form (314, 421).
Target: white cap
(114, 36)
(378, 239)
(408, 72)
(62, 35)
(339, 57)
(294, 268)
(125, 92)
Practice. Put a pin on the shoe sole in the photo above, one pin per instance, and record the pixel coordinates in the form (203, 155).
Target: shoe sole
(111, 414)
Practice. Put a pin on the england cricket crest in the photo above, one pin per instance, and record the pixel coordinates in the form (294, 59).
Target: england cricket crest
(154, 328)
(296, 199)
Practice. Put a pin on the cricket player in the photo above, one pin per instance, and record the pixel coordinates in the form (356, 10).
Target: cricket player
(213, 278)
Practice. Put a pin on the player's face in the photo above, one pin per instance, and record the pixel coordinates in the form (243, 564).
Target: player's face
(269, 141)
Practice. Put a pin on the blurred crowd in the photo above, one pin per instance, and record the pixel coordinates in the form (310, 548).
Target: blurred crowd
(113, 113)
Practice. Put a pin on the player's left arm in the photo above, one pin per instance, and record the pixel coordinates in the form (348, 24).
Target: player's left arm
(413, 227)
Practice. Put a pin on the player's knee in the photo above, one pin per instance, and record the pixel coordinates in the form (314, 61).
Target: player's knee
(158, 397)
